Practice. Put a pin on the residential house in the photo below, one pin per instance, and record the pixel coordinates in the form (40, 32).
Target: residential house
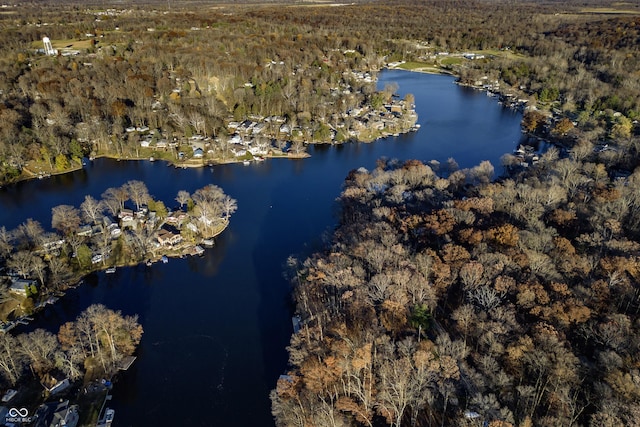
(258, 128)
(19, 286)
(176, 217)
(108, 223)
(53, 245)
(126, 215)
(85, 231)
(168, 238)
(275, 119)
(246, 126)
(238, 152)
(285, 128)
(56, 414)
(142, 212)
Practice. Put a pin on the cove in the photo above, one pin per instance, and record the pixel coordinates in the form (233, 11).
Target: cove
(216, 326)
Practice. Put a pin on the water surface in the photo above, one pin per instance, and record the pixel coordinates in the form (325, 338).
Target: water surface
(216, 326)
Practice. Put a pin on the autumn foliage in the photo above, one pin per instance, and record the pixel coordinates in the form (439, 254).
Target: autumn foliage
(503, 304)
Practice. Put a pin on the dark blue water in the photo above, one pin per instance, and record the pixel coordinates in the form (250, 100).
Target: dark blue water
(216, 327)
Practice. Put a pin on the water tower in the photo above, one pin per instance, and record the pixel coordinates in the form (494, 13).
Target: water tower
(48, 49)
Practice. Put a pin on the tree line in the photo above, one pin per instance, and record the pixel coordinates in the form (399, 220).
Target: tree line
(92, 346)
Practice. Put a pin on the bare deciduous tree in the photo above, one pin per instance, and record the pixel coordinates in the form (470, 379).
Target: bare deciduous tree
(91, 209)
(183, 197)
(138, 192)
(115, 197)
(39, 347)
(22, 262)
(65, 218)
(11, 359)
(6, 245)
(31, 233)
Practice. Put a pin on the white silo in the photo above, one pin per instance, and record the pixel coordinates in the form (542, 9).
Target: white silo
(48, 49)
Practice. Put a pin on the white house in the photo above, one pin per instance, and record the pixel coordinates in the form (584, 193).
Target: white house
(19, 286)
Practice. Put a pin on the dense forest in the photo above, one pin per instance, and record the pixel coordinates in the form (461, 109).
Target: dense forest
(449, 299)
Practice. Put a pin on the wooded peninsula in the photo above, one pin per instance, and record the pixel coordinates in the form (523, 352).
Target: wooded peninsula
(455, 297)
(446, 297)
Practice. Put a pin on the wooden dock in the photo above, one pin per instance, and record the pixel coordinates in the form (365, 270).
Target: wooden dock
(127, 362)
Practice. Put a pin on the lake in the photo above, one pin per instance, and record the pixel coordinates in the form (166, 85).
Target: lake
(216, 326)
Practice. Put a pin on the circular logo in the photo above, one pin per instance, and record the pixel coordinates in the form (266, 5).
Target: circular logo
(15, 412)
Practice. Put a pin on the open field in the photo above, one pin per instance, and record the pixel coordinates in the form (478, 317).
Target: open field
(609, 11)
(451, 60)
(65, 44)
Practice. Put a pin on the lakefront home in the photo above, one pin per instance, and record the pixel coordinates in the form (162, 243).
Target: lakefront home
(168, 238)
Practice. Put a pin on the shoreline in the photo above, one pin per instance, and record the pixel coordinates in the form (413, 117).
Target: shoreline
(424, 70)
(201, 163)
(157, 257)
(77, 280)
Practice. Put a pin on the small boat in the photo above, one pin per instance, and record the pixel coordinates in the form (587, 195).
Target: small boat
(246, 162)
(108, 415)
(149, 263)
(151, 159)
(164, 259)
(110, 270)
(259, 159)
(108, 418)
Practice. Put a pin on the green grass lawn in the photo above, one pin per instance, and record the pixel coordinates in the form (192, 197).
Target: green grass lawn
(414, 65)
(451, 60)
